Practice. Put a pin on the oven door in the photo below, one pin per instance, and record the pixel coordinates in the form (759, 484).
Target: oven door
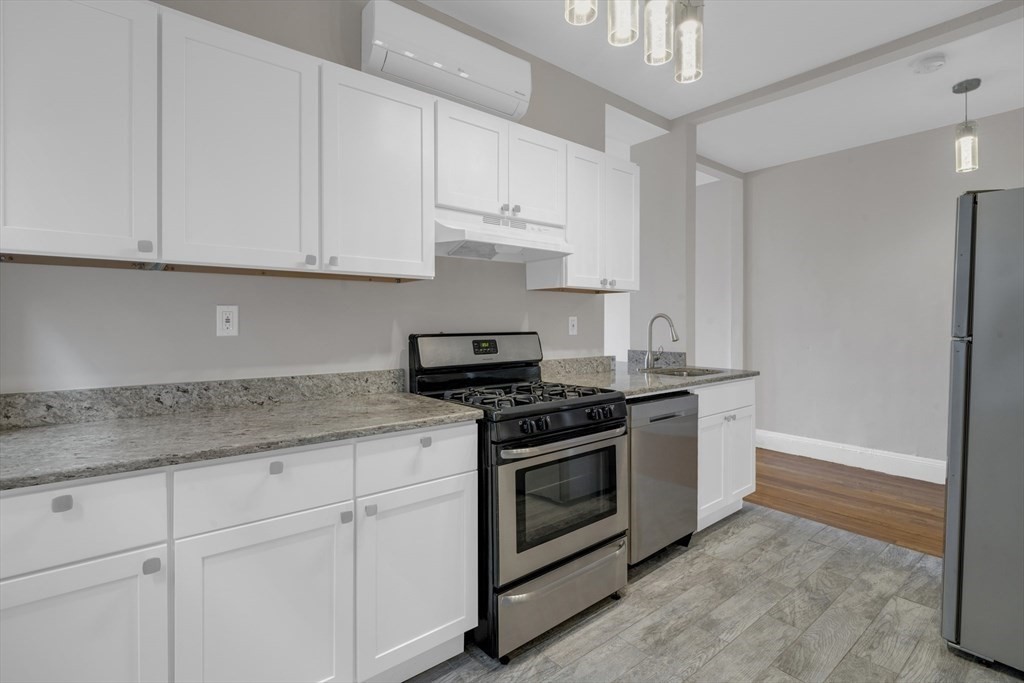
(557, 499)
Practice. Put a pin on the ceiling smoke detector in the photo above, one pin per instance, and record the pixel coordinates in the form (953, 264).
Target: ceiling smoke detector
(929, 63)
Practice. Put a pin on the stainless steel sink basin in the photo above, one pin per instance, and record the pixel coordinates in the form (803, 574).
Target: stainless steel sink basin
(683, 372)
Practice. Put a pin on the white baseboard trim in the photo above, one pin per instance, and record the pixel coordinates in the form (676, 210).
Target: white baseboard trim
(898, 464)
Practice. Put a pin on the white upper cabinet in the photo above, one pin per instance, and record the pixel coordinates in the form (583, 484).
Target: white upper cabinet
(603, 228)
(378, 176)
(79, 129)
(585, 265)
(536, 176)
(240, 150)
(622, 225)
(472, 160)
(486, 165)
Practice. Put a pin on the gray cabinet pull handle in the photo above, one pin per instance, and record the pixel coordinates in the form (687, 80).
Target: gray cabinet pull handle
(145, 246)
(333, 261)
(371, 510)
(612, 283)
(62, 503)
(346, 517)
(276, 467)
(310, 260)
(151, 566)
(504, 209)
(604, 281)
(426, 441)
(516, 209)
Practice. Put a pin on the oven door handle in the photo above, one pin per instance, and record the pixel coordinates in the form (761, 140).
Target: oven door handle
(532, 451)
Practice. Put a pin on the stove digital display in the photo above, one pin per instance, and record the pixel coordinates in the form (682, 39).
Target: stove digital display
(485, 347)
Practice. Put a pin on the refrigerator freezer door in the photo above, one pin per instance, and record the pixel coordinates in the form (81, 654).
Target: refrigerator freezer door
(959, 374)
(962, 266)
(992, 565)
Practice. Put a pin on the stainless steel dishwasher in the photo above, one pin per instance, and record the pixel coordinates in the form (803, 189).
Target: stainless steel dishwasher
(662, 473)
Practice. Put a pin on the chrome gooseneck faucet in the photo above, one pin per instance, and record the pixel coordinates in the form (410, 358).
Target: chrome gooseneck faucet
(649, 358)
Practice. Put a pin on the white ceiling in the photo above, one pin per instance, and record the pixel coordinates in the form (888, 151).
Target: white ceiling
(883, 103)
(749, 44)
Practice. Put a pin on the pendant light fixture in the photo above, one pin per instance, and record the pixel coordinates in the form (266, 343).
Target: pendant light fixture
(659, 22)
(623, 22)
(967, 132)
(673, 30)
(580, 12)
(689, 47)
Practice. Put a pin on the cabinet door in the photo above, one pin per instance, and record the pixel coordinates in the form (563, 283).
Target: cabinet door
(79, 128)
(269, 601)
(416, 566)
(739, 453)
(585, 266)
(103, 620)
(240, 151)
(378, 185)
(472, 160)
(711, 470)
(536, 175)
(622, 225)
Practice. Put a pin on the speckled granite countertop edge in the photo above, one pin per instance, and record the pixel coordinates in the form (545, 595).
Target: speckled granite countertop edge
(69, 453)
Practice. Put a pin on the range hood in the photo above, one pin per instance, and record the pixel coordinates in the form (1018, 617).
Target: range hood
(466, 235)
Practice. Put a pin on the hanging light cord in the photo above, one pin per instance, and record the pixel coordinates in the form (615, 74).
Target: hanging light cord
(965, 106)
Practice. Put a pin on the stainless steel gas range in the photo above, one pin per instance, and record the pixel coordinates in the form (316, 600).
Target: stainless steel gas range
(553, 482)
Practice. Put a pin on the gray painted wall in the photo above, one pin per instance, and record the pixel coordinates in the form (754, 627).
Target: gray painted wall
(849, 286)
(67, 327)
(64, 328)
(667, 238)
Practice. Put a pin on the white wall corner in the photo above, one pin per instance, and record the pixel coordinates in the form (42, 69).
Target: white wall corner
(897, 464)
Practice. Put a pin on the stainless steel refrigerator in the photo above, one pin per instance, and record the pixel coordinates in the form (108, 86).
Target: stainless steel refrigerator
(983, 578)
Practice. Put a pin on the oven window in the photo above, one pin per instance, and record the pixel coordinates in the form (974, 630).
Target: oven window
(559, 497)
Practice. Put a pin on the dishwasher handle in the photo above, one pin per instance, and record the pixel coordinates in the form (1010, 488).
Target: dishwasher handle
(676, 407)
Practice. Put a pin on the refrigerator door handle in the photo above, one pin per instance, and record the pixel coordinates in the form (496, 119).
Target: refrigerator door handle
(963, 265)
(959, 386)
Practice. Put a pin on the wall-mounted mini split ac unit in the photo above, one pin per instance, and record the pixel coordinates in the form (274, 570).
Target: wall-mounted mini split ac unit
(409, 48)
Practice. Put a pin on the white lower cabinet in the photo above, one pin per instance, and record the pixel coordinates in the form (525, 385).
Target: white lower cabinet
(339, 562)
(415, 571)
(725, 450)
(100, 620)
(267, 601)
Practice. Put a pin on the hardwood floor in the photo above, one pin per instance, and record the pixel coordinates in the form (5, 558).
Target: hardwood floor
(897, 510)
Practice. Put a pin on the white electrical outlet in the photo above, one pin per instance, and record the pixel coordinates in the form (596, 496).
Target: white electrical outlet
(227, 321)
(572, 325)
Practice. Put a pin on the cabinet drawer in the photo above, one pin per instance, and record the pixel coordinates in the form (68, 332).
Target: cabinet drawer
(414, 457)
(719, 398)
(50, 528)
(220, 496)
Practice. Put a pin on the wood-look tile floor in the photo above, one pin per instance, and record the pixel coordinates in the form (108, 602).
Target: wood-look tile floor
(761, 596)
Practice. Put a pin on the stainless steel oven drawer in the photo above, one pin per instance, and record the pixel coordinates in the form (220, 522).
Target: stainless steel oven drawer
(529, 610)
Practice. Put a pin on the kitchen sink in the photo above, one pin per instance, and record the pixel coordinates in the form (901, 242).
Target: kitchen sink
(683, 372)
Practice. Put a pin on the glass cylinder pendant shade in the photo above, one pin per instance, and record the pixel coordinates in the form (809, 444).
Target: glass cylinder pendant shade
(580, 12)
(659, 21)
(967, 147)
(689, 42)
(623, 22)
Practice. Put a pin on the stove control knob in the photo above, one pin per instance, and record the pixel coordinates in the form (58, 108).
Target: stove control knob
(526, 427)
(593, 413)
(607, 412)
(542, 423)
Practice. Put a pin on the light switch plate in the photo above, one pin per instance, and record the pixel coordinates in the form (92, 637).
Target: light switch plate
(573, 326)
(227, 321)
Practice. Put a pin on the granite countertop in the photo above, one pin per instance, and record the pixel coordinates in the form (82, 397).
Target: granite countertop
(43, 455)
(634, 383)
